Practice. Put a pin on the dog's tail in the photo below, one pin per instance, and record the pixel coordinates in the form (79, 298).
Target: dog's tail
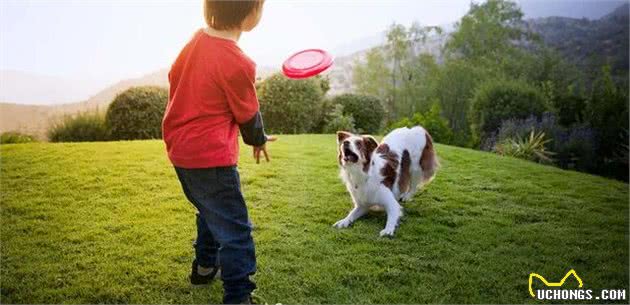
(428, 161)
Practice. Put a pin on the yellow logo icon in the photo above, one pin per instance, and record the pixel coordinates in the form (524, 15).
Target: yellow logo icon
(548, 284)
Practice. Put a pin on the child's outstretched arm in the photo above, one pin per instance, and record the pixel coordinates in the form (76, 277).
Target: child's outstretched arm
(240, 90)
(253, 133)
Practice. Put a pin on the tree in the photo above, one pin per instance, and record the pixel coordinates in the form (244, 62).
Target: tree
(397, 50)
(487, 30)
(498, 100)
(410, 69)
(366, 110)
(417, 92)
(455, 85)
(371, 77)
(290, 106)
(324, 83)
(432, 121)
(607, 112)
(396, 73)
(418, 34)
(336, 120)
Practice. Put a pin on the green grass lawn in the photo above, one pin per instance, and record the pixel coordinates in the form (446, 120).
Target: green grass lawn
(108, 223)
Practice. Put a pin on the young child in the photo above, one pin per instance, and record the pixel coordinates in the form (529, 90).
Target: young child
(212, 96)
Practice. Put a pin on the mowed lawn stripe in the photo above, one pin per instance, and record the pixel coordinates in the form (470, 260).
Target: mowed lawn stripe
(108, 223)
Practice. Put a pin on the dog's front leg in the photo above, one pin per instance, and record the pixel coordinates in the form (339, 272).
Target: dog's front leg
(393, 210)
(355, 214)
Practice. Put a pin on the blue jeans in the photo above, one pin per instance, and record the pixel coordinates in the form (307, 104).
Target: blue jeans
(223, 227)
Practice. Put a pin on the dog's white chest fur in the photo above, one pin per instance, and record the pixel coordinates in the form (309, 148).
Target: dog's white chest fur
(361, 187)
(383, 174)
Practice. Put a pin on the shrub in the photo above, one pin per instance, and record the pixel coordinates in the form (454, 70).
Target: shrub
(83, 127)
(435, 124)
(290, 106)
(574, 146)
(514, 128)
(336, 121)
(367, 111)
(607, 113)
(14, 137)
(322, 114)
(529, 148)
(324, 83)
(622, 154)
(404, 122)
(497, 101)
(137, 113)
(570, 109)
(454, 86)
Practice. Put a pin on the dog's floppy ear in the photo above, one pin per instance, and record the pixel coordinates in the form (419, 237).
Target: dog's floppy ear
(428, 161)
(342, 135)
(370, 144)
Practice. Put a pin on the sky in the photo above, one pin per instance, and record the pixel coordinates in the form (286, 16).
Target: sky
(107, 41)
(125, 38)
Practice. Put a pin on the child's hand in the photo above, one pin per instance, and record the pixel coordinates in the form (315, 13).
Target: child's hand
(263, 148)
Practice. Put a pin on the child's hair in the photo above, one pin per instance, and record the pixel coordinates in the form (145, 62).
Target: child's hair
(228, 15)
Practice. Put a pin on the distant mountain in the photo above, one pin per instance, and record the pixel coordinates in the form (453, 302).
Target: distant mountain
(590, 9)
(30, 88)
(588, 43)
(340, 74)
(36, 119)
(363, 43)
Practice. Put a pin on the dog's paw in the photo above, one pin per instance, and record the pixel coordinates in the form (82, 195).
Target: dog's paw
(406, 198)
(344, 223)
(387, 232)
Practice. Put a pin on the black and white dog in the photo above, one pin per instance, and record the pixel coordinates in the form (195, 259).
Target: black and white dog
(381, 175)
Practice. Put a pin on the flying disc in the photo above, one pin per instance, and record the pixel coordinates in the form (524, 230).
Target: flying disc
(307, 63)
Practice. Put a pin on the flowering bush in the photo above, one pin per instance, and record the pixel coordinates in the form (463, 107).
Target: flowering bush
(573, 146)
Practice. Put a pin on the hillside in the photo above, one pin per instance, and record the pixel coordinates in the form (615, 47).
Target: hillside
(108, 223)
(341, 73)
(35, 119)
(34, 89)
(589, 43)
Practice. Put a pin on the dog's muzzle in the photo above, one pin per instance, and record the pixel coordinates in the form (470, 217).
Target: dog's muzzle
(348, 154)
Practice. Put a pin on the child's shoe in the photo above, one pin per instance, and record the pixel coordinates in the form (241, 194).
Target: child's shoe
(198, 279)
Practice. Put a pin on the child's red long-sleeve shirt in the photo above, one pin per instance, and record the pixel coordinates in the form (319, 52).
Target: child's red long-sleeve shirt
(212, 91)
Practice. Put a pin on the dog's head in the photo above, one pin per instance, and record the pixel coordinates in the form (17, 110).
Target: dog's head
(355, 149)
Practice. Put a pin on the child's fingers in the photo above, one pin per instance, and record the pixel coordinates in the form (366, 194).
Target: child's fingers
(271, 138)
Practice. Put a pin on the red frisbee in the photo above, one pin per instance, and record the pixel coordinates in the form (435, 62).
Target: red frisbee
(307, 63)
